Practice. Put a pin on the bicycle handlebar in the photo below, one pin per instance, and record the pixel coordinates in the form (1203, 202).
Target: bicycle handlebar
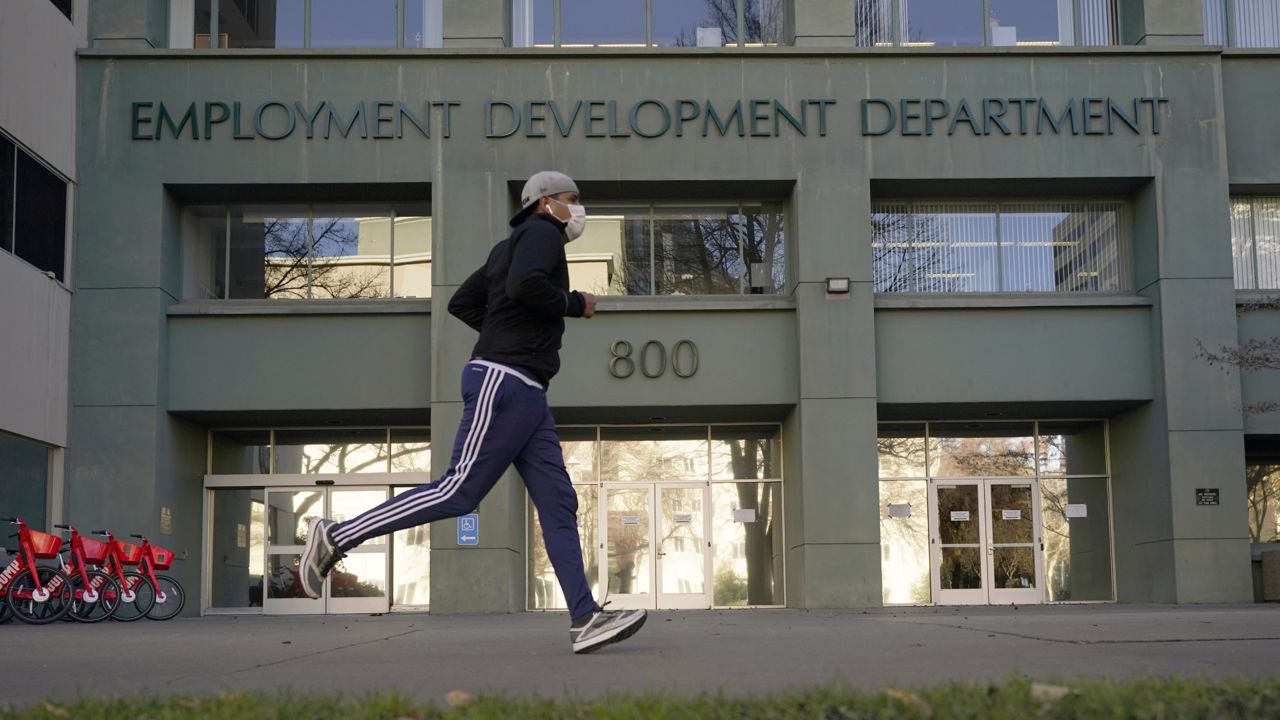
(137, 536)
(9, 519)
(63, 527)
(101, 532)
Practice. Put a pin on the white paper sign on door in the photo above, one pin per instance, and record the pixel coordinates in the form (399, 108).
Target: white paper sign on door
(630, 519)
(1077, 510)
(1010, 514)
(683, 518)
(959, 516)
(744, 515)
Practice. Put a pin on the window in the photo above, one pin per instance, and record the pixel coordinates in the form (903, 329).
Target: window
(307, 252)
(647, 23)
(962, 246)
(24, 487)
(1262, 484)
(1242, 23)
(959, 23)
(321, 23)
(681, 250)
(33, 210)
(1255, 242)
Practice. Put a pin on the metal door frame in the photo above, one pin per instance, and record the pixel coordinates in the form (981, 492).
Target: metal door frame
(988, 594)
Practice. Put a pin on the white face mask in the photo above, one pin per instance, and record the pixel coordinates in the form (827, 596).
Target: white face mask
(577, 222)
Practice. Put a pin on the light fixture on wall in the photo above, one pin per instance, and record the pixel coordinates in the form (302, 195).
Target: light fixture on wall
(837, 286)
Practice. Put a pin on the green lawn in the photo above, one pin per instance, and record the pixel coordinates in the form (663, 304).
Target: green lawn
(1014, 699)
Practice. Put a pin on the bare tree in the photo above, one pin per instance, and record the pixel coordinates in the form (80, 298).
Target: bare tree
(293, 260)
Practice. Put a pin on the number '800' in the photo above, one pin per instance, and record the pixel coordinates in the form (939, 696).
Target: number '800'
(653, 359)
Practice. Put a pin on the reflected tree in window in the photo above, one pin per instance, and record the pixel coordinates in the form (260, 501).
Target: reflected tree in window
(1263, 482)
(293, 262)
(746, 457)
(762, 22)
(909, 254)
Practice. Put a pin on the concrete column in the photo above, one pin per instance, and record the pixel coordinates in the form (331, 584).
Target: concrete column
(1168, 548)
(833, 494)
(1161, 22)
(821, 22)
(477, 23)
(129, 23)
(469, 214)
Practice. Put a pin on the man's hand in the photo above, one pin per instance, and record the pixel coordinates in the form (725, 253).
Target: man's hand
(588, 304)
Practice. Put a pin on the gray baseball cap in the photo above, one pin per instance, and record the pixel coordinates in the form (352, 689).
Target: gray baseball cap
(542, 184)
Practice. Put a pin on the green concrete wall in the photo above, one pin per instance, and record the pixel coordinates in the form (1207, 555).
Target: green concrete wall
(811, 360)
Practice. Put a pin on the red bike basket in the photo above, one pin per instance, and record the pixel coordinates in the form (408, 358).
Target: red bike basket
(44, 545)
(95, 551)
(130, 554)
(161, 558)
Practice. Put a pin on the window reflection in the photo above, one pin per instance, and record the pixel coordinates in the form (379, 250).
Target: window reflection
(310, 452)
(411, 450)
(620, 23)
(904, 541)
(344, 24)
(1023, 246)
(1030, 22)
(1072, 448)
(946, 23)
(627, 512)
(662, 250)
(1077, 538)
(746, 453)
(306, 252)
(982, 450)
(901, 449)
(238, 547)
(544, 587)
(252, 23)
(241, 452)
(747, 565)
(632, 455)
(411, 564)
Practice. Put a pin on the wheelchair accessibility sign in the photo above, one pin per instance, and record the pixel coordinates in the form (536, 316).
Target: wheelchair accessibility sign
(469, 529)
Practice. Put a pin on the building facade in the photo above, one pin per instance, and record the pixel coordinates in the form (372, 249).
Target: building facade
(901, 301)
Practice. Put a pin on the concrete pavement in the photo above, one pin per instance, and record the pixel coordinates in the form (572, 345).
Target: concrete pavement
(739, 652)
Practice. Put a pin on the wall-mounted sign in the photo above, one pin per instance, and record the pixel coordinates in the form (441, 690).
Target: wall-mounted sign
(682, 517)
(744, 515)
(1010, 514)
(630, 519)
(386, 119)
(1077, 510)
(242, 535)
(899, 510)
(1206, 496)
(959, 516)
(469, 529)
(166, 520)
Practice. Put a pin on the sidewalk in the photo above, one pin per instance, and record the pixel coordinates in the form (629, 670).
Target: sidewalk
(739, 652)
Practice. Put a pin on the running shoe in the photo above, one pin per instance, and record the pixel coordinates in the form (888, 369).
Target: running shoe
(604, 627)
(318, 557)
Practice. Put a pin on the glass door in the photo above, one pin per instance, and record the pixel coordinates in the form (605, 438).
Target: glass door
(357, 585)
(628, 531)
(359, 582)
(985, 544)
(682, 557)
(1016, 563)
(957, 545)
(289, 514)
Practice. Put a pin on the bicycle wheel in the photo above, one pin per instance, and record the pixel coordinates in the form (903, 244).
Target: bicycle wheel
(105, 593)
(174, 597)
(144, 596)
(24, 601)
(5, 615)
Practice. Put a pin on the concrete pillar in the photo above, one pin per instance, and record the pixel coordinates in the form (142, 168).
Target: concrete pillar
(1168, 548)
(129, 23)
(833, 532)
(821, 22)
(469, 214)
(1161, 22)
(477, 23)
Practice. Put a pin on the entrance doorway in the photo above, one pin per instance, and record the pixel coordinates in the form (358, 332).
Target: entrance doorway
(357, 585)
(987, 542)
(656, 540)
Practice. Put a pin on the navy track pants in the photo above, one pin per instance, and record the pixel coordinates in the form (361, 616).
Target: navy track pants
(505, 420)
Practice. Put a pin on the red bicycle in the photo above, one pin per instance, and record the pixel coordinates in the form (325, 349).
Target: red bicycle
(143, 592)
(34, 594)
(95, 594)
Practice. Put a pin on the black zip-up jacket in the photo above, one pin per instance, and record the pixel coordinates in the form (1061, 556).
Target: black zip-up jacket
(519, 299)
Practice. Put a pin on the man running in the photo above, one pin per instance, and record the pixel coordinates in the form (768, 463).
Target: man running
(517, 301)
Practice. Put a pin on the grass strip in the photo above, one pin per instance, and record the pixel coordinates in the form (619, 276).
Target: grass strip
(1017, 698)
